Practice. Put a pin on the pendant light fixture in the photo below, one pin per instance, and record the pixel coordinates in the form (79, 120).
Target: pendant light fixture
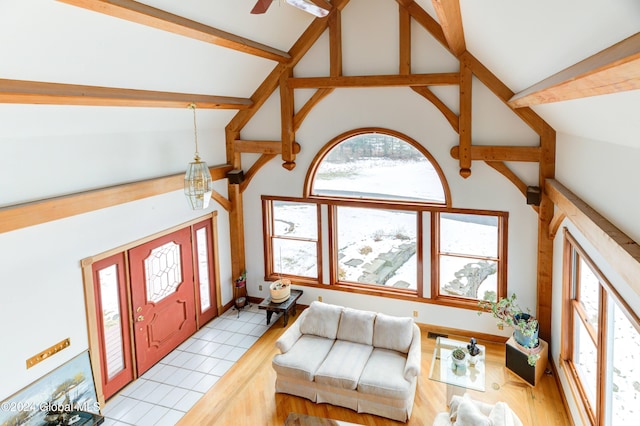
(198, 185)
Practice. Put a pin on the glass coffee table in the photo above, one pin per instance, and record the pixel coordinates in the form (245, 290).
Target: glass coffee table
(444, 370)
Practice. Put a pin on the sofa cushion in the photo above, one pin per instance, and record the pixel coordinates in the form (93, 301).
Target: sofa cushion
(343, 365)
(383, 375)
(393, 333)
(503, 415)
(304, 358)
(469, 414)
(356, 326)
(456, 400)
(321, 320)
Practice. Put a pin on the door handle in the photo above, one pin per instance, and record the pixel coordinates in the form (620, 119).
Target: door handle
(140, 318)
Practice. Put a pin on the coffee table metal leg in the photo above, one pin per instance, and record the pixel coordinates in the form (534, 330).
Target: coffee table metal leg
(286, 317)
(269, 313)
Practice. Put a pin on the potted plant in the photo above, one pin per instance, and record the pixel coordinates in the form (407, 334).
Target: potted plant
(507, 311)
(459, 356)
(241, 281)
(474, 351)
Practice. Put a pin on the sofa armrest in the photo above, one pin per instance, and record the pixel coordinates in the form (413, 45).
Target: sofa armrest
(291, 335)
(414, 356)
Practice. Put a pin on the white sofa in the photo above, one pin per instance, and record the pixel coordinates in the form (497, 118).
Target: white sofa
(366, 361)
(463, 411)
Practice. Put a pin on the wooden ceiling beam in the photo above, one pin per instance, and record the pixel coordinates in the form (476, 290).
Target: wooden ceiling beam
(451, 116)
(405, 41)
(448, 12)
(150, 16)
(423, 18)
(437, 79)
(262, 147)
(615, 69)
(35, 92)
(37, 212)
(269, 84)
(500, 153)
(616, 247)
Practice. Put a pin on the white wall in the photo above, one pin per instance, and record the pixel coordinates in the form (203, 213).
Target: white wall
(605, 176)
(51, 150)
(42, 290)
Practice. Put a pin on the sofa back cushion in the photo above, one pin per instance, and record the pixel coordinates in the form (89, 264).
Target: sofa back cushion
(321, 320)
(356, 326)
(395, 333)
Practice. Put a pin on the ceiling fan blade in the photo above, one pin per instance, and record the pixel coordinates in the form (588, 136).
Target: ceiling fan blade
(261, 6)
(319, 8)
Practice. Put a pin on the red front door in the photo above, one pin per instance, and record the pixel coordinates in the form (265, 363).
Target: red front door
(162, 292)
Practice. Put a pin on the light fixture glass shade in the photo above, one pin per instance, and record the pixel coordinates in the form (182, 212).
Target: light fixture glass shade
(198, 185)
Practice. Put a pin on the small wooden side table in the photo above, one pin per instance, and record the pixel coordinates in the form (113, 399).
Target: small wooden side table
(516, 360)
(285, 307)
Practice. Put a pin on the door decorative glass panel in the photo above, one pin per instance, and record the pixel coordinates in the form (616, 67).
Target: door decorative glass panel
(203, 269)
(163, 273)
(111, 320)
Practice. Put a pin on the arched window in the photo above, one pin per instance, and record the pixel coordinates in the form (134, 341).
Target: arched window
(385, 205)
(377, 164)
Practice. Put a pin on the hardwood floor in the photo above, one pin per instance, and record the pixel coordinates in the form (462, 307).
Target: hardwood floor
(245, 394)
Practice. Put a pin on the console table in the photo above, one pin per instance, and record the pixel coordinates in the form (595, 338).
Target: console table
(285, 307)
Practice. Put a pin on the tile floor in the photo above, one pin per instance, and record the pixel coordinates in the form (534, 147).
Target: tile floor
(163, 394)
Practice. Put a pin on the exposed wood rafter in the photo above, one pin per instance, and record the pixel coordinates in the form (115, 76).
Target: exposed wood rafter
(448, 12)
(251, 173)
(405, 41)
(616, 247)
(466, 80)
(219, 198)
(556, 221)
(146, 15)
(319, 95)
(502, 92)
(500, 153)
(612, 70)
(335, 43)
(508, 173)
(451, 116)
(286, 118)
(29, 214)
(263, 147)
(35, 92)
(436, 79)
(425, 20)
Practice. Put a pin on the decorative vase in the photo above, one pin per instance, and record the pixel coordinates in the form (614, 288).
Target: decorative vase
(473, 359)
(522, 339)
(280, 290)
(459, 362)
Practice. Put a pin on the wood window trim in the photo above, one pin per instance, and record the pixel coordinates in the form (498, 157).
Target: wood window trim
(324, 151)
(372, 288)
(608, 295)
(501, 258)
(268, 226)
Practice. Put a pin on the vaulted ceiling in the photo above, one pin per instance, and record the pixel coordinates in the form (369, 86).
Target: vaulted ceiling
(522, 43)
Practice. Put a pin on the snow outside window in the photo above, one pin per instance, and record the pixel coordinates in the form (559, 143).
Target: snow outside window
(603, 344)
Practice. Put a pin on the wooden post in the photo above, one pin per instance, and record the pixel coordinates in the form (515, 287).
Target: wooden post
(236, 230)
(466, 79)
(545, 240)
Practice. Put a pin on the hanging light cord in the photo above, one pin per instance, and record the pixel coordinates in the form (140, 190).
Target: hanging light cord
(195, 130)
